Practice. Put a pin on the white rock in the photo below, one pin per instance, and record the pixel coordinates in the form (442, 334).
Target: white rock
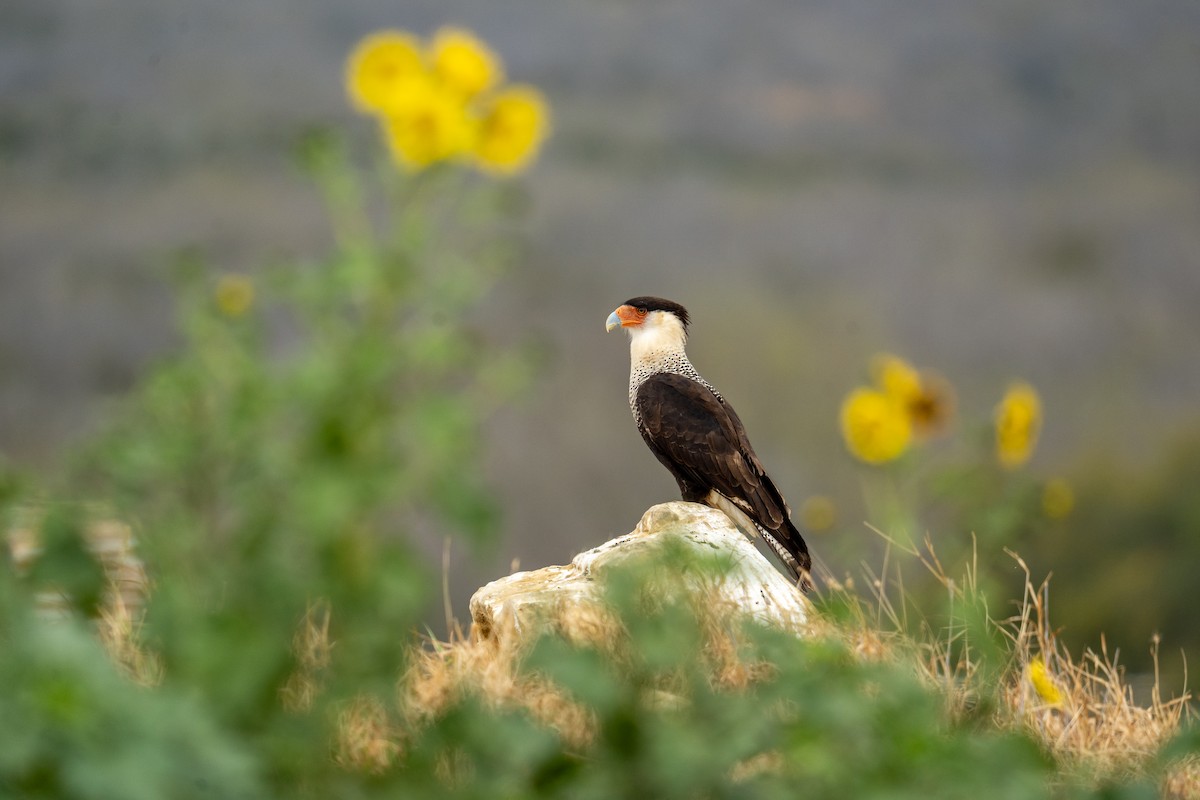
(528, 601)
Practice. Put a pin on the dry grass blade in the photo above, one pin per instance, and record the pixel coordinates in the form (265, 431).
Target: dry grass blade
(366, 738)
(443, 672)
(1182, 781)
(314, 653)
(1083, 710)
(119, 630)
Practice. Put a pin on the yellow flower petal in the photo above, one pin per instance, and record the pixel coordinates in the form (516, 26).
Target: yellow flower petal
(431, 125)
(380, 69)
(512, 129)
(895, 376)
(1043, 684)
(1018, 423)
(875, 427)
(463, 62)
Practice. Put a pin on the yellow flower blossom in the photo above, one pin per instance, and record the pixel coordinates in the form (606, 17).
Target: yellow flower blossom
(234, 295)
(464, 63)
(895, 376)
(1043, 684)
(1018, 423)
(927, 397)
(441, 102)
(875, 427)
(432, 125)
(818, 513)
(511, 131)
(1058, 499)
(381, 69)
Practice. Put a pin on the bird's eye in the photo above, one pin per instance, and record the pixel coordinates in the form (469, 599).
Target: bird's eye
(641, 312)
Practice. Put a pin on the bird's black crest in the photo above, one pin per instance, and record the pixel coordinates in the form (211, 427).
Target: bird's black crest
(659, 304)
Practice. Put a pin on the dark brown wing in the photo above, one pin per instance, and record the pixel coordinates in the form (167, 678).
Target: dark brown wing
(700, 439)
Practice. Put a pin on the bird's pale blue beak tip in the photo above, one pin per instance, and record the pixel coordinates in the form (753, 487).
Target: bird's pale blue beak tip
(613, 321)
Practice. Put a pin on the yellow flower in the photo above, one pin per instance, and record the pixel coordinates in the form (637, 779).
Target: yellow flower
(381, 68)
(1058, 499)
(513, 127)
(1043, 684)
(234, 295)
(1018, 423)
(431, 125)
(818, 513)
(463, 62)
(895, 376)
(437, 103)
(927, 397)
(875, 426)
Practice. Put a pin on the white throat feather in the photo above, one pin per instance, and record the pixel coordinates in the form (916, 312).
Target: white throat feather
(660, 338)
(658, 345)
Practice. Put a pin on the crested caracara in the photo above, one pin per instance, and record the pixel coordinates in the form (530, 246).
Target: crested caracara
(697, 435)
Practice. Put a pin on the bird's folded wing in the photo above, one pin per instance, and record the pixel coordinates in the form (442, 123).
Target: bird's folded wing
(702, 437)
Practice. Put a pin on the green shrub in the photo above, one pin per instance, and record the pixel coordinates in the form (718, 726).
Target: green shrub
(314, 417)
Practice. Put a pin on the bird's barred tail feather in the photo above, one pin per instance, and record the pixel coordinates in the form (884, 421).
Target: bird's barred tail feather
(786, 543)
(800, 572)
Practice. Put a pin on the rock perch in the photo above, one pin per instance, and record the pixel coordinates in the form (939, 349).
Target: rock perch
(524, 603)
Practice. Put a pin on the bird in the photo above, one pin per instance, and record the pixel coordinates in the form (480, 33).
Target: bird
(695, 433)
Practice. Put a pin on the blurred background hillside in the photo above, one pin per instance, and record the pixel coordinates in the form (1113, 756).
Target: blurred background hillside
(994, 190)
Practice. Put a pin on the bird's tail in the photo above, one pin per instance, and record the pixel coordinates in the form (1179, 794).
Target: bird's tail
(785, 541)
(794, 554)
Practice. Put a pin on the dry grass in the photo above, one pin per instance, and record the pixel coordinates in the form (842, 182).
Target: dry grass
(489, 667)
(314, 653)
(1090, 719)
(119, 629)
(367, 740)
(488, 664)
(1081, 710)
(1182, 781)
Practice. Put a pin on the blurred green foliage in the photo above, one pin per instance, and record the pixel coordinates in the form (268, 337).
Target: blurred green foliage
(75, 728)
(317, 417)
(1122, 556)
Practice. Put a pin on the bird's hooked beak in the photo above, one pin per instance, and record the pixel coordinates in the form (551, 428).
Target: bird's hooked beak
(624, 317)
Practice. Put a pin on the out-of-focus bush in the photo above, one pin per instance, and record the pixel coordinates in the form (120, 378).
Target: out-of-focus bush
(75, 728)
(315, 421)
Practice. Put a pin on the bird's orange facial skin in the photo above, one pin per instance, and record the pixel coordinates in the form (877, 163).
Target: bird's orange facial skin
(630, 316)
